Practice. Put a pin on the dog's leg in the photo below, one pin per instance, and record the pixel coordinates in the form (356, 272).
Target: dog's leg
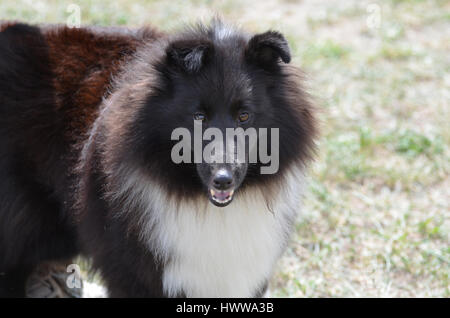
(12, 282)
(51, 280)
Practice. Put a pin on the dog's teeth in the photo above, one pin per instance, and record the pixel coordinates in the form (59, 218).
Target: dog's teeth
(221, 201)
(225, 200)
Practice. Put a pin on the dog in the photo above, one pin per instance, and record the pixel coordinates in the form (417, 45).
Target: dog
(87, 117)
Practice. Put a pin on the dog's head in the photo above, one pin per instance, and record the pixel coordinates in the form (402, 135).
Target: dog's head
(227, 112)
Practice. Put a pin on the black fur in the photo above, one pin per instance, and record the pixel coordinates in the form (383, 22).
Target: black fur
(35, 223)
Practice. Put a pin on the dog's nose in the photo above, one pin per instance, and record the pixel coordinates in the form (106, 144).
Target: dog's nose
(223, 179)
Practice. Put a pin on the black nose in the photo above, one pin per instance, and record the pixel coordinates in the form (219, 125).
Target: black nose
(223, 180)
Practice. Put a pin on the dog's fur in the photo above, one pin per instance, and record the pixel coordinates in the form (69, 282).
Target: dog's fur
(85, 122)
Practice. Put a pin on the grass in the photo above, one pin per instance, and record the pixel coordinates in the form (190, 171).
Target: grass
(376, 216)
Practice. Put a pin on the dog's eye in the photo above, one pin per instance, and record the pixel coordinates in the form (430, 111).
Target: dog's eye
(243, 117)
(199, 116)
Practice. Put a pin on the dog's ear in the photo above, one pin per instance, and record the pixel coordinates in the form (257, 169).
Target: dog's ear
(266, 49)
(188, 55)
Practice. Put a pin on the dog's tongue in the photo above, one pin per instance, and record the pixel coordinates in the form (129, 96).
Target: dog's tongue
(222, 195)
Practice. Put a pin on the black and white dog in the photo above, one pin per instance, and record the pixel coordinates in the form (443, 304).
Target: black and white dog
(86, 123)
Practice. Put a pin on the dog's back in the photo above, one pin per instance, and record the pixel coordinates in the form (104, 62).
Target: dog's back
(52, 80)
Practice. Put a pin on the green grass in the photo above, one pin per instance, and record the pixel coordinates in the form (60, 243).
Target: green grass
(323, 51)
(376, 216)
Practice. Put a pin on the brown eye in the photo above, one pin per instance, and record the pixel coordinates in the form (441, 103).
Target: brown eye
(199, 116)
(243, 117)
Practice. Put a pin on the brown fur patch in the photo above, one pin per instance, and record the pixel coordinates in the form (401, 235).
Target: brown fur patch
(84, 62)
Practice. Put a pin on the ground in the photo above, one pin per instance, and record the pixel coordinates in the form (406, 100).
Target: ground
(376, 216)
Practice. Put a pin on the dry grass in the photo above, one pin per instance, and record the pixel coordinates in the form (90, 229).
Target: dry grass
(376, 218)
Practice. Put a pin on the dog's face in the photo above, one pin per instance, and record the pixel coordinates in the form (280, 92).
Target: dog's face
(221, 80)
(221, 85)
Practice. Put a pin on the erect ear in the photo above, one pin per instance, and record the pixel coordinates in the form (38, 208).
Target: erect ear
(267, 48)
(188, 55)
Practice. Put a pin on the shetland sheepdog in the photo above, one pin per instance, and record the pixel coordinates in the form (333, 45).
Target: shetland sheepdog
(87, 117)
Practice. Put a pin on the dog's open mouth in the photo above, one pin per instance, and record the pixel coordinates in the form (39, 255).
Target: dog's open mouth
(221, 198)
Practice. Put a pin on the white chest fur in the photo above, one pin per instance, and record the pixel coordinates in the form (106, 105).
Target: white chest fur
(220, 252)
